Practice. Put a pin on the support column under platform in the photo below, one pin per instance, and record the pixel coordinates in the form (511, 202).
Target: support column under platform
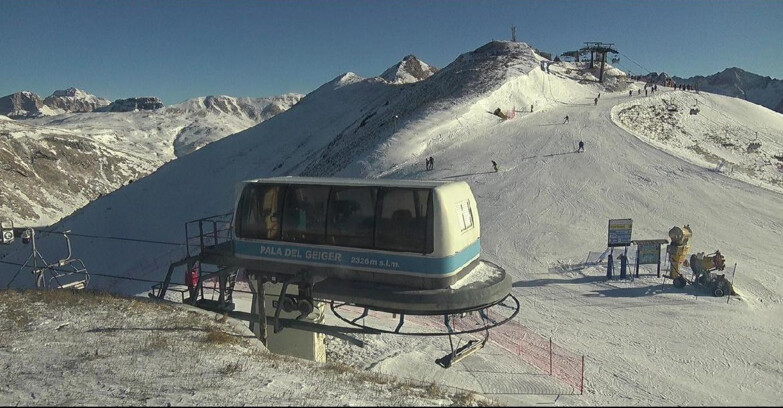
(257, 307)
(305, 344)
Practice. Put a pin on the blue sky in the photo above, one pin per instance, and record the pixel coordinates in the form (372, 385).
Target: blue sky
(177, 49)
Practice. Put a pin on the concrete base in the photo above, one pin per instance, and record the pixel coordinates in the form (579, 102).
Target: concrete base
(292, 342)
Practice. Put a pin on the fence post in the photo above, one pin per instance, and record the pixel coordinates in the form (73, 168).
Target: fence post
(582, 385)
(550, 356)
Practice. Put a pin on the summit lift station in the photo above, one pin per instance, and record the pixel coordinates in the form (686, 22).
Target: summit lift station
(402, 247)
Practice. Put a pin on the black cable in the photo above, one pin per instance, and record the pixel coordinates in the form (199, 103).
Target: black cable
(648, 71)
(70, 234)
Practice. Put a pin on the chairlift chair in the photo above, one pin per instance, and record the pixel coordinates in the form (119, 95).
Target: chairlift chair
(66, 273)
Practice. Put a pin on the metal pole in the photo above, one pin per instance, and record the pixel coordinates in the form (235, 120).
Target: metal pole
(733, 275)
(638, 248)
(582, 386)
(550, 356)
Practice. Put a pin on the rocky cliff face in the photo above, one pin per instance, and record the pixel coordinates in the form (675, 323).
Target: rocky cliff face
(21, 105)
(74, 100)
(409, 70)
(133, 104)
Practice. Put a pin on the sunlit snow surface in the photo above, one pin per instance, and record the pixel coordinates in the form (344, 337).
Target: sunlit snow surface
(542, 215)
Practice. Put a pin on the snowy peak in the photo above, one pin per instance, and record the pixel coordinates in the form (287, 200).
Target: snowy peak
(409, 70)
(736, 82)
(74, 100)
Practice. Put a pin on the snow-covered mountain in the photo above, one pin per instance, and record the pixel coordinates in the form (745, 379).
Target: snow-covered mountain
(26, 104)
(543, 217)
(74, 100)
(764, 91)
(21, 104)
(53, 165)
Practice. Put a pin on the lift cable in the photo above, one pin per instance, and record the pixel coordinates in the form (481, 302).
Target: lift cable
(71, 234)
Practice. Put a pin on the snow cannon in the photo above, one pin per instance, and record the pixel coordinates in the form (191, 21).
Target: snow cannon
(678, 249)
(703, 265)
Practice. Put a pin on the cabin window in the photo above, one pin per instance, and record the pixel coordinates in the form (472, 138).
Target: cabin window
(259, 212)
(304, 218)
(465, 215)
(402, 220)
(351, 218)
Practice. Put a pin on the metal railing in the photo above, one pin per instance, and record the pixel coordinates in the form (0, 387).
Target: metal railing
(210, 233)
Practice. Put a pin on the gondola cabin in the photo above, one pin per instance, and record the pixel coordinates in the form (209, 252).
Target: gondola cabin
(413, 233)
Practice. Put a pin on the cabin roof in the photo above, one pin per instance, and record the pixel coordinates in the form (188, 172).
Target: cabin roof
(338, 181)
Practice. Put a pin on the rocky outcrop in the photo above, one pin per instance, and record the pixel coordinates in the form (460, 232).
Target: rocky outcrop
(133, 104)
(74, 100)
(409, 70)
(21, 105)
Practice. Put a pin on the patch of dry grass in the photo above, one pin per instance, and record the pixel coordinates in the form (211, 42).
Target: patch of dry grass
(231, 368)
(217, 337)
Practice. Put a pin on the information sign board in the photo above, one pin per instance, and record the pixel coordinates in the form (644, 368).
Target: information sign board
(620, 232)
(649, 254)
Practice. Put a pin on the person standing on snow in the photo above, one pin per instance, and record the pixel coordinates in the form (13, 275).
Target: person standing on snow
(432, 163)
(595, 101)
(494, 166)
(566, 120)
(581, 146)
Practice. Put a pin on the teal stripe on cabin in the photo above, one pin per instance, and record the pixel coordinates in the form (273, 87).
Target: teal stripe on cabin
(368, 259)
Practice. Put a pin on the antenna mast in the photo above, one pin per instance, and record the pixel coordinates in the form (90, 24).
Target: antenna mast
(513, 33)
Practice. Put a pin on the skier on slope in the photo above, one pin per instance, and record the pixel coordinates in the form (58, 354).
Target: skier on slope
(581, 146)
(494, 166)
(566, 120)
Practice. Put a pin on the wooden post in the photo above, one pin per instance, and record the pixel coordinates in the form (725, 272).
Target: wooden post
(257, 308)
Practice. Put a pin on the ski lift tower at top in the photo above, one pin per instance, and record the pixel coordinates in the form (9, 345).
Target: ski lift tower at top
(601, 49)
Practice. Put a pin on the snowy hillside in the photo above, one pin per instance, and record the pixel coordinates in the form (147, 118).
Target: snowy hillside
(54, 165)
(543, 216)
(111, 351)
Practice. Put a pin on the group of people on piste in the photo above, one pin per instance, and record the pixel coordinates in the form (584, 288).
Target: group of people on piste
(580, 149)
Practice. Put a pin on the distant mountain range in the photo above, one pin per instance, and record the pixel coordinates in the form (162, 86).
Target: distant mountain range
(72, 146)
(68, 149)
(735, 82)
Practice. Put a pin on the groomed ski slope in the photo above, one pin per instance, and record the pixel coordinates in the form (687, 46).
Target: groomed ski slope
(645, 344)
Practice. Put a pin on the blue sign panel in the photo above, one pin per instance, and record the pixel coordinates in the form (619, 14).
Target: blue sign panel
(345, 257)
